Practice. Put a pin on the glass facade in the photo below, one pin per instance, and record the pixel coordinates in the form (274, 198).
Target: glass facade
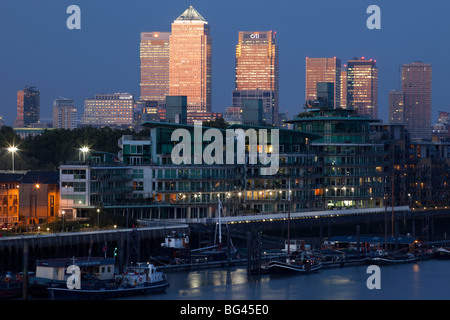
(362, 87)
(352, 173)
(257, 66)
(191, 60)
(323, 70)
(28, 107)
(154, 53)
(416, 87)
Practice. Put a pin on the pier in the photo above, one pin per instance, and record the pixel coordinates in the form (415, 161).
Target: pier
(18, 253)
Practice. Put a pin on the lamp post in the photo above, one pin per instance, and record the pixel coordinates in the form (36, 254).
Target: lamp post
(63, 214)
(13, 150)
(98, 218)
(84, 150)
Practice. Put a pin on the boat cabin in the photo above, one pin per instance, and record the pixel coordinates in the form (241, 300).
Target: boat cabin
(373, 243)
(55, 269)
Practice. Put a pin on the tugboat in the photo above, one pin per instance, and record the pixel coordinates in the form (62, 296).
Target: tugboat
(141, 279)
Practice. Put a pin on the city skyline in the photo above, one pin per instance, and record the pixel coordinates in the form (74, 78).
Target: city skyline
(72, 64)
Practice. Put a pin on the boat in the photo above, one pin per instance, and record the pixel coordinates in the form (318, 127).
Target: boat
(52, 273)
(141, 279)
(392, 259)
(442, 253)
(298, 262)
(11, 285)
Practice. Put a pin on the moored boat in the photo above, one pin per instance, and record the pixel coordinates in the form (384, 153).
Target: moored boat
(11, 286)
(295, 263)
(442, 253)
(393, 259)
(141, 279)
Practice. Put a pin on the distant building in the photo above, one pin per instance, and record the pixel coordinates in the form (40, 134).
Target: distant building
(441, 130)
(257, 70)
(28, 107)
(233, 115)
(362, 87)
(416, 87)
(396, 107)
(252, 112)
(190, 60)
(266, 96)
(9, 199)
(176, 109)
(154, 55)
(323, 70)
(64, 114)
(109, 110)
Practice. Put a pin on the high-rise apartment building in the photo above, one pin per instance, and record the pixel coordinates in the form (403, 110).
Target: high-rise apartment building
(257, 68)
(396, 107)
(190, 60)
(64, 114)
(344, 87)
(109, 110)
(323, 70)
(362, 86)
(154, 54)
(28, 107)
(416, 87)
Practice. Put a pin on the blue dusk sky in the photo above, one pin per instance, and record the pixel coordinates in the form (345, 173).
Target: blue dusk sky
(37, 49)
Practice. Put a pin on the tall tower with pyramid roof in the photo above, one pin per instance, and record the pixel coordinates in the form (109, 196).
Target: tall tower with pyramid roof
(191, 60)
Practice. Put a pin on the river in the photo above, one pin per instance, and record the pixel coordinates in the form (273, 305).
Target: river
(424, 280)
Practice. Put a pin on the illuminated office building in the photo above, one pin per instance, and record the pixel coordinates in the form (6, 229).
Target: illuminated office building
(64, 114)
(396, 107)
(190, 60)
(28, 106)
(344, 87)
(257, 70)
(109, 110)
(416, 87)
(323, 70)
(362, 87)
(154, 55)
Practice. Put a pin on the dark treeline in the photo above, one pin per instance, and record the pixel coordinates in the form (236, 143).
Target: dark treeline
(48, 150)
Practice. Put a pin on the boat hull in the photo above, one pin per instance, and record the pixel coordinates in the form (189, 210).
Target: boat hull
(380, 261)
(107, 293)
(277, 267)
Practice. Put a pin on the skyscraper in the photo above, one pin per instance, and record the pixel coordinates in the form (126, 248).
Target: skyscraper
(154, 54)
(362, 86)
(396, 107)
(190, 60)
(416, 87)
(64, 114)
(28, 106)
(323, 70)
(257, 68)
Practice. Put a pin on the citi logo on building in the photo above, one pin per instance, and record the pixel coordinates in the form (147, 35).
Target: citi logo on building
(255, 35)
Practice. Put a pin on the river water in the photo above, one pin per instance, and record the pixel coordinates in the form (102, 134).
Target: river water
(424, 280)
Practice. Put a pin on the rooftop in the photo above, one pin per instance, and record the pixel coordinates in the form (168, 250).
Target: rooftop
(190, 14)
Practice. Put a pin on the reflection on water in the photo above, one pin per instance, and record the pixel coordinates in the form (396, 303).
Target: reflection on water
(425, 280)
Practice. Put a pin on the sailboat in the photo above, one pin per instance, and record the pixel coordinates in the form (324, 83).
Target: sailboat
(297, 262)
(216, 252)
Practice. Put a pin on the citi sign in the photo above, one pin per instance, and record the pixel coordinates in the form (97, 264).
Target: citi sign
(255, 35)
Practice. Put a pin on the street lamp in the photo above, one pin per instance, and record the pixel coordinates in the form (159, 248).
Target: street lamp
(98, 218)
(63, 214)
(13, 150)
(84, 150)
